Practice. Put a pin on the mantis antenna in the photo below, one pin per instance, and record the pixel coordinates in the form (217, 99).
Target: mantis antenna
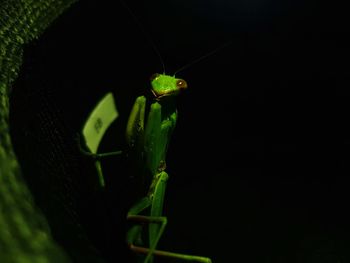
(144, 32)
(203, 57)
(156, 50)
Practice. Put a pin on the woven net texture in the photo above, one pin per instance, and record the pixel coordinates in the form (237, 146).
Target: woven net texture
(25, 232)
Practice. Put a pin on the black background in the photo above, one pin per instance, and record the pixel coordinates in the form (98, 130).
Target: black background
(258, 163)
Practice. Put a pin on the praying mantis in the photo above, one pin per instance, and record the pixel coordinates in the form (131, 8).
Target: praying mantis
(148, 139)
(152, 139)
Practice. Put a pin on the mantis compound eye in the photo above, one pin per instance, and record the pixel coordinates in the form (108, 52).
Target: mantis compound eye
(181, 84)
(154, 76)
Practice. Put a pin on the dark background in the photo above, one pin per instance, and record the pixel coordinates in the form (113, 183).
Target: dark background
(258, 163)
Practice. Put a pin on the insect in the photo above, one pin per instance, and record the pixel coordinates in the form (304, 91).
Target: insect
(151, 138)
(148, 139)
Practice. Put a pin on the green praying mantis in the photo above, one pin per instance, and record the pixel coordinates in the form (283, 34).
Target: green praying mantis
(149, 138)
(152, 139)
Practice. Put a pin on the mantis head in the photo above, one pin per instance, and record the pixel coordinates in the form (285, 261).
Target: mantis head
(165, 85)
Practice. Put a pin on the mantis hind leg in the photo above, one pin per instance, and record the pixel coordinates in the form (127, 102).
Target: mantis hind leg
(157, 223)
(97, 158)
(149, 252)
